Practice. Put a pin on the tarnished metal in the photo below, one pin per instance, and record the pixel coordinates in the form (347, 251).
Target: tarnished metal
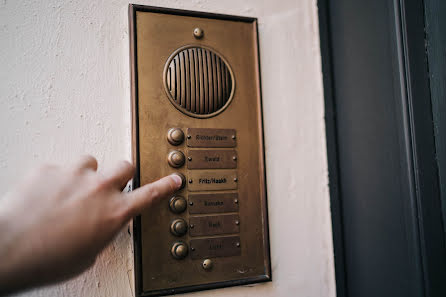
(212, 159)
(176, 159)
(198, 81)
(214, 225)
(207, 264)
(212, 180)
(215, 247)
(178, 227)
(213, 203)
(179, 250)
(198, 33)
(228, 55)
(175, 136)
(177, 204)
(208, 137)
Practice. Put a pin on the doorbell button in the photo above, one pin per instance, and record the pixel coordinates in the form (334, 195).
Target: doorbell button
(178, 227)
(175, 136)
(177, 204)
(176, 159)
(183, 179)
(179, 250)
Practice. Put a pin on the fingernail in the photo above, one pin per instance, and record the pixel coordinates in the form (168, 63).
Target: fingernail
(177, 179)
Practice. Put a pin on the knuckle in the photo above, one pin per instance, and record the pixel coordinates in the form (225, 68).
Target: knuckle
(101, 184)
(127, 166)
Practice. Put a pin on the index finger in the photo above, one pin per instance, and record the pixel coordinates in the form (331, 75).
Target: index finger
(86, 162)
(146, 195)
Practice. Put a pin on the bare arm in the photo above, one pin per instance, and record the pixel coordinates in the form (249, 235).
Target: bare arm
(53, 226)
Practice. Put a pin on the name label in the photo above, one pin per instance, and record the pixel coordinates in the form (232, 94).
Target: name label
(208, 180)
(215, 247)
(212, 159)
(207, 137)
(214, 225)
(213, 203)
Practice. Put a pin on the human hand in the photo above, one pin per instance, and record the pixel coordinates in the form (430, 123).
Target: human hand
(53, 226)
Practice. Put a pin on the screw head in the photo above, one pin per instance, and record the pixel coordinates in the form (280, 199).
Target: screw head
(234, 158)
(198, 33)
(238, 244)
(233, 137)
(237, 222)
(189, 158)
(207, 264)
(189, 137)
(235, 179)
(191, 181)
(236, 201)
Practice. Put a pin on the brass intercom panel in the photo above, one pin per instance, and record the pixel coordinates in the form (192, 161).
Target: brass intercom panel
(197, 113)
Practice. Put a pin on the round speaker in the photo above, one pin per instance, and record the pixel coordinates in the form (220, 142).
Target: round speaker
(198, 81)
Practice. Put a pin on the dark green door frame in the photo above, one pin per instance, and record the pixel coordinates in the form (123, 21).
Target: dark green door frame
(384, 183)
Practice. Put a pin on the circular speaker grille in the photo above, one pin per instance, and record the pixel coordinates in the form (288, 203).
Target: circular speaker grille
(198, 81)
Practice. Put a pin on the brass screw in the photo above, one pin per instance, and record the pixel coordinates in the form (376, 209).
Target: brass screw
(189, 158)
(235, 179)
(189, 137)
(233, 136)
(190, 181)
(198, 33)
(234, 158)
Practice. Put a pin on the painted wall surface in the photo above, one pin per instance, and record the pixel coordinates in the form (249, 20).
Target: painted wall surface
(64, 92)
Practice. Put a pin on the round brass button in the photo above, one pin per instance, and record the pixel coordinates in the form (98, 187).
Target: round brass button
(183, 179)
(177, 204)
(175, 136)
(176, 159)
(179, 250)
(207, 264)
(178, 227)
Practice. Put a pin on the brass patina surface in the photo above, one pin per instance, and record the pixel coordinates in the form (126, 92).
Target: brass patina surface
(164, 263)
(210, 137)
(212, 180)
(214, 225)
(213, 203)
(212, 159)
(215, 247)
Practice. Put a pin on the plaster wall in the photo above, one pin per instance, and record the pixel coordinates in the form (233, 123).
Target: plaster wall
(64, 92)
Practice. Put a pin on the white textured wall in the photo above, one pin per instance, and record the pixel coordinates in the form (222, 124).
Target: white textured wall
(64, 91)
